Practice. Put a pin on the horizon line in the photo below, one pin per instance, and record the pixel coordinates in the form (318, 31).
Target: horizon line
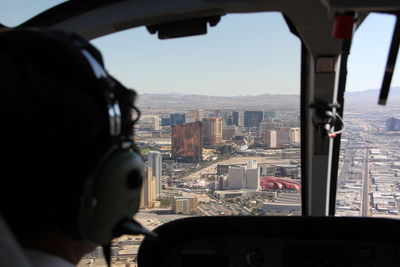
(273, 94)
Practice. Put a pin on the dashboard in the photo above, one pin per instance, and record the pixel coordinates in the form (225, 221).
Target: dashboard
(273, 241)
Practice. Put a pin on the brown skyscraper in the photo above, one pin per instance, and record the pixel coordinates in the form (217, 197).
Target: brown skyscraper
(148, 194)
(212, 131)
(187, 141)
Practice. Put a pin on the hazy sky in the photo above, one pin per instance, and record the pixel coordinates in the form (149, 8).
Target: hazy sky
(246, 54)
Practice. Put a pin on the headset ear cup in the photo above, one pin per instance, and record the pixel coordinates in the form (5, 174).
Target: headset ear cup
(114, 196)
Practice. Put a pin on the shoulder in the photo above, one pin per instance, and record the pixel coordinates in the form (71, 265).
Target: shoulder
(42, 259)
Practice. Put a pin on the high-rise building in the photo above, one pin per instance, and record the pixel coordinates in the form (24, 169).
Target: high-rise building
(177, 119)
(222, 169)
(268, 138)
(165, 121)
(235, 118)
(222, 182)
(248, 177)
(269, 115)
(294, 135)
(392, 124)
(282, 138)
(237, 177)
(252, 175)
(277, 138)
(228, 132)
(156, 123)
(212, 131)
(252, 118)
(217, 113)
(226, 117)
(197, 114)
(184, 205)
(267, 170)
(151, 122)
(148, 194)
(154, 160)
(230, 117)
(241, 118)
(292, 171)
(187, 142)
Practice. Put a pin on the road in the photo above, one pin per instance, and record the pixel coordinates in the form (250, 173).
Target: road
(346, 166)
(216, 209)
(365, 191)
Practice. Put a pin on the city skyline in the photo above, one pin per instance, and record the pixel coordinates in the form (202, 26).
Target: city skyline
(350, 93)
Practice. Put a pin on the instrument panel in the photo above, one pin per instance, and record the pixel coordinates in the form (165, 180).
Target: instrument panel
(273, 241)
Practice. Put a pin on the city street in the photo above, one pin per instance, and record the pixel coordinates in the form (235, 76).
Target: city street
(365, 194)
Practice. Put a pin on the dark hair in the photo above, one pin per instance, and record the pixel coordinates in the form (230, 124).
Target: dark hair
(54, 129)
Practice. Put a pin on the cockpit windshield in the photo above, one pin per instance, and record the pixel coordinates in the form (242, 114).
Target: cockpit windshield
(13, 13)
(220, 124)
(369, 165)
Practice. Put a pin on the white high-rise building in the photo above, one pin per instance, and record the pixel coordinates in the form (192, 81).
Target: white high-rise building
(156, 123)
(252, 175)
(241, 118)
(155, 162)
(237, 177)
(294, 135)
(240, 177)
(253, 178)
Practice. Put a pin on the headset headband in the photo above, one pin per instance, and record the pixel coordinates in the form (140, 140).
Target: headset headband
(114, 111)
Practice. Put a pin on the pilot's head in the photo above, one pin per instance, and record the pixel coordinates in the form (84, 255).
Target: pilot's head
(64, 119)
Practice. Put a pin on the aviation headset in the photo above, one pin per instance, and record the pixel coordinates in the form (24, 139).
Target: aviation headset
(111, 194)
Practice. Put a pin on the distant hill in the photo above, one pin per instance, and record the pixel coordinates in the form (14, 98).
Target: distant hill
(178, 100)
(370, 97)
(204, 101)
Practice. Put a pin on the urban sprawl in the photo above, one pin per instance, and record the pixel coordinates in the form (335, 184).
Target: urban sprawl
(210, 162)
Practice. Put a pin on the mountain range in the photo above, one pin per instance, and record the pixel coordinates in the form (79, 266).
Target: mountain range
(178, 100)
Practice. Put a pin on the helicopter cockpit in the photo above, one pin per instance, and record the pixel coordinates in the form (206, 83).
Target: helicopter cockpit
(324, 30)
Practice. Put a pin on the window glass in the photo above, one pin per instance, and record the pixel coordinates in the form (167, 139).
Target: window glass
(369, 168)
(220, 119)
(13, 13)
